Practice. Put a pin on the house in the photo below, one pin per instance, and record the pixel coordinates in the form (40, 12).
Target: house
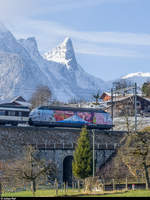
(126, 105)
(105, 96)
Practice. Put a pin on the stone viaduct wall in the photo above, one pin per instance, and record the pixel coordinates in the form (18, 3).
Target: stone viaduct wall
(55, 143)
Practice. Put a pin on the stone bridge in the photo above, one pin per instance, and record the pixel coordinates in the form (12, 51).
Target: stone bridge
(56, 144)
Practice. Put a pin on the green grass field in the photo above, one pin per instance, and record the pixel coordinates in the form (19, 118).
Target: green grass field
(41, 193)
(130, 193)
(75, 193)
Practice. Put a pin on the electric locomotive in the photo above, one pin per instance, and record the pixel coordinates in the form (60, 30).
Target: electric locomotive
(53, 116)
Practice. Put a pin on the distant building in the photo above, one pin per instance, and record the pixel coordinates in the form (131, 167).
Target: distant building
(105, 96)
(125, 105)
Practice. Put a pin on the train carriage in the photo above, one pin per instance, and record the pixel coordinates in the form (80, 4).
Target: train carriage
(13, 114)
(53, 116)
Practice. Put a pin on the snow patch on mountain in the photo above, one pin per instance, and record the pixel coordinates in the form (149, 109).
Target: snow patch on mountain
(81, 83)
(121, 123)
(64, 54)
(138, 74)
(138, 77)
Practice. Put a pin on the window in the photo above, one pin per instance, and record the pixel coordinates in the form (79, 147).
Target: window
(24, 114)
(11, 113)
(19, 114)
(2, 112)
(16, 114)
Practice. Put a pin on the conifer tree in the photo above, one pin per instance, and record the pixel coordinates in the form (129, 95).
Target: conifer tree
(146, 89)
(82, 162)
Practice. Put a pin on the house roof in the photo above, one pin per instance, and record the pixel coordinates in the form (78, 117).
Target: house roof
(117, 99)
(107, 93)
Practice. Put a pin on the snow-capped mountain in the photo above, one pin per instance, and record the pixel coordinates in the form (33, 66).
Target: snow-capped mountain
(22, 69)
(67, 69)
(18, 72)
(64, 54)
(138, 77)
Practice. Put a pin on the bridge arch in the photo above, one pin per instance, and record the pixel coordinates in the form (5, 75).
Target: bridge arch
(67, 169)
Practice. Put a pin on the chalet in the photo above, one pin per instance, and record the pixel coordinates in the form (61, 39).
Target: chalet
(105, 96)
(125, 105)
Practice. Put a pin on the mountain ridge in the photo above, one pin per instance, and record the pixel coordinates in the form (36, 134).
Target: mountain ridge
(23, 68)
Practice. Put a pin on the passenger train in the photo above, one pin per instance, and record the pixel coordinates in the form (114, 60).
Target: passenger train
(13, 114)
(53, 116)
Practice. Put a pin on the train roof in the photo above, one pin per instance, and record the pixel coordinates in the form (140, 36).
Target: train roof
(11, 105)
(71, 109)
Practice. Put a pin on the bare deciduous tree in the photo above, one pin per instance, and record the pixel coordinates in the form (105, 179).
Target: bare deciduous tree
(135, 154)
(30, 168)
(41, 96)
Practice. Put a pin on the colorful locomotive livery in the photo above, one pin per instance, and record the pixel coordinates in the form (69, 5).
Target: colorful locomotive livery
(81, 117)
(70, 117)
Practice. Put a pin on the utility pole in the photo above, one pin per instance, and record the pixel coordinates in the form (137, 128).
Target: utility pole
(112, 114)
(93, 130)
(135, 106)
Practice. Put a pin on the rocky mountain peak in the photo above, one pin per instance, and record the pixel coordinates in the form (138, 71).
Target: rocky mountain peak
(22, 69)
(63, 53)
(30, 45)
(67, 44)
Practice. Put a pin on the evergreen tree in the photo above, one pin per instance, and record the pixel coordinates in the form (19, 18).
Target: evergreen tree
(82, 162)
(146, 89)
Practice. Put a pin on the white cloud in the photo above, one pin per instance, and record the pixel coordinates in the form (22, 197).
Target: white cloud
(40, 27)
(21, 17)
(97, 49)
(49, 34)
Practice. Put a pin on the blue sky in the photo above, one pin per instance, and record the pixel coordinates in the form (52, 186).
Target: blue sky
(111, 38)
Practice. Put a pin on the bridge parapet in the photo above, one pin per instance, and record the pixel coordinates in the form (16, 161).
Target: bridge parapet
(65, 146)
